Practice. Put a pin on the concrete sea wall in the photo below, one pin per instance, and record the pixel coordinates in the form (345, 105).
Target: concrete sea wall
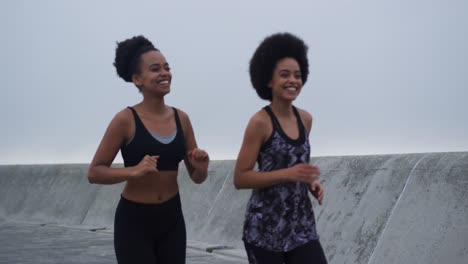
(400, 208)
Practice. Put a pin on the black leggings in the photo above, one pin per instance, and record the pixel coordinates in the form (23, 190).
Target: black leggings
(309, 253)
(150, 233)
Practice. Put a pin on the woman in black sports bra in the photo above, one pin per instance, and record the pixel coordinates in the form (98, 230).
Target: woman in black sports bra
(153, 138)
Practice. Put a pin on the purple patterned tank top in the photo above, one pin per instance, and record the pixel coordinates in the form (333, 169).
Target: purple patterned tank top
(280, 217)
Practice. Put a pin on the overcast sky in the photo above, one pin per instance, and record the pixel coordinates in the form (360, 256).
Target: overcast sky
(386, 76)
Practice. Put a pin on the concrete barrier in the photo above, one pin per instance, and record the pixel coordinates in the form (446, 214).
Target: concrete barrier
(405, 208)
(46, 193)
(429, 223)
(361, 192)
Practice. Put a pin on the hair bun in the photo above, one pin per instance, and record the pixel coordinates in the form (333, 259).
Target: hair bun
(127, 54)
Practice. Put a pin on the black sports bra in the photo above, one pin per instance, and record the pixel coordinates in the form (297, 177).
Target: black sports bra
(143, 143)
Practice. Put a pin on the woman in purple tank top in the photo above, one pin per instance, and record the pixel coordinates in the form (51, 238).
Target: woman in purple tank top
(279, 225)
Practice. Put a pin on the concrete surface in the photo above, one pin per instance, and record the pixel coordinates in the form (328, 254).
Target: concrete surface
(403, 208)
(29, 243)
(429, 223)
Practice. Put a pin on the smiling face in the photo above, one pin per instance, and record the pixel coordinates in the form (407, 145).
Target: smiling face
(286, 81)
(155, 74)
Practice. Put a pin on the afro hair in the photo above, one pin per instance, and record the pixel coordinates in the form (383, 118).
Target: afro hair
(272, 49)
(128, 56)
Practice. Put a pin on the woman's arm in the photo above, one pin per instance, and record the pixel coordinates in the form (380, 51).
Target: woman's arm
(100, 170)
(317, 189)
(257, 132)
(196, 160)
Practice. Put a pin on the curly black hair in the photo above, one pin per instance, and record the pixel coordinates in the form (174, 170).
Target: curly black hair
(128, 56)
(272, 49)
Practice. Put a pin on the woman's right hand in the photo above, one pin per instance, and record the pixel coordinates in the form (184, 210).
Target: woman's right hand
(147, 165)
(304, 172)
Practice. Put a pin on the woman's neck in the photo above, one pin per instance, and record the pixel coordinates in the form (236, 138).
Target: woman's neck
(282, 108)
(153, 105)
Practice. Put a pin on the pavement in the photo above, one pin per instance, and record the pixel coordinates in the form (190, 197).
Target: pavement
(30, 243)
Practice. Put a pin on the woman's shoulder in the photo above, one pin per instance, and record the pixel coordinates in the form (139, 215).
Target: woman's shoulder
(306, 118)
(260, 119)
(124, 116)
(183, 116)
(121, 122)
(305, 115)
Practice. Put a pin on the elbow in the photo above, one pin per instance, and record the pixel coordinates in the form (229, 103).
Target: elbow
(237, 182)
(91, 177)
(198, 180)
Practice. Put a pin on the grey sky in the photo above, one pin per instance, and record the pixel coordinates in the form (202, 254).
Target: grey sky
(386, 76)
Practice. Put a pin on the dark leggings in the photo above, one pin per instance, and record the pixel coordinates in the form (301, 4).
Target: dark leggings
(150, 233)
(310, 253)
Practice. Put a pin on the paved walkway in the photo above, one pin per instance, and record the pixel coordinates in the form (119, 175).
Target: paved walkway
(26, 243)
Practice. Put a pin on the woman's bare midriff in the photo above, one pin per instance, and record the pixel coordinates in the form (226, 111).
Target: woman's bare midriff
(153, 188)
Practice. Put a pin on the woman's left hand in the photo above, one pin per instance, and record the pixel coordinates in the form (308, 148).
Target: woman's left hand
(199, 159)
(317, 191)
